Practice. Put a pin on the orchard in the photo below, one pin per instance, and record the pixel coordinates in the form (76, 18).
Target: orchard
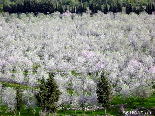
(76, 50)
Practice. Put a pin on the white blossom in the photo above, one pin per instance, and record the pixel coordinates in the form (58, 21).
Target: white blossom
(86, 45)
(28, 98)
(9, 98)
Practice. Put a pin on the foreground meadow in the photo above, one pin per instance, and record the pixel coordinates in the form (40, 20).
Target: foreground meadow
(77, 49)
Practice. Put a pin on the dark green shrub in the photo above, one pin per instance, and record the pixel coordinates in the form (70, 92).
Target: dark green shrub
(48, 94)
(104, 91)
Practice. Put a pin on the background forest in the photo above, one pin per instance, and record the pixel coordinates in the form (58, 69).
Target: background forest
(77, 6)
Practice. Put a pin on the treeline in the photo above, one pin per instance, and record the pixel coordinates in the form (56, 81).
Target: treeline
(78, 6)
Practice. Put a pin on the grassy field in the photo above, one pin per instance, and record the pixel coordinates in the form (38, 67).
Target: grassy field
(132, 102)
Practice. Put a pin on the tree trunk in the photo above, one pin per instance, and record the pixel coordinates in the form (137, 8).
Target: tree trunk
(105, 111)
(28, 110)
(49, 113)
(14, 112)
(83, 108)
(54, 114)
(91, 111)
(75, 111)
(65, 109)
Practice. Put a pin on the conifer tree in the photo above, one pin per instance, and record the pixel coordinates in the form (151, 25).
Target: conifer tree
(104, 91)
(105, 9)
(48, 95)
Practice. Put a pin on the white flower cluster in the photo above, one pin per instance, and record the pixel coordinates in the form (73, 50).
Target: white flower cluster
(9, 98)
(122, 45)
(29, 99)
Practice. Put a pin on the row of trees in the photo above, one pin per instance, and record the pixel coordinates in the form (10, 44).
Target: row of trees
(77, 6)
(49, 93)
(42, 7)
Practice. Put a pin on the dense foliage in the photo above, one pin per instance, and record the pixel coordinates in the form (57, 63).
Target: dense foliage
(104, 91)
(78, 6)
(48, 94)
(77, 51)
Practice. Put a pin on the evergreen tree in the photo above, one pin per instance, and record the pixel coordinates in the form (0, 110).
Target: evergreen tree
(128, 8)
(104, 91)
(105, 9)
(48, 94)
(119, 7)
(19, 98)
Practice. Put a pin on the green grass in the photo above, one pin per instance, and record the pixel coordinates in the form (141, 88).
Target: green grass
(14, 85)
(79, 112)
(24, 112)
(134, 102)
(148, 103)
